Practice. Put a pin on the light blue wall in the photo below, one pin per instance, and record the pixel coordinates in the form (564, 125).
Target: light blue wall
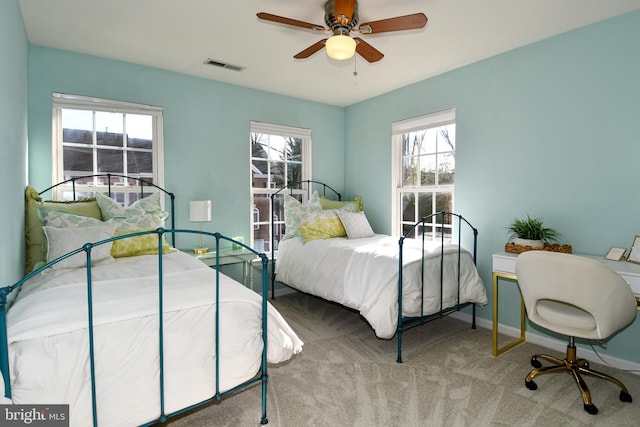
(13, 139)
(550, 129)
(206, 128)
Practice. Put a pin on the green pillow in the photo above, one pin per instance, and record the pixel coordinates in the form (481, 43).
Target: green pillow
(34, 236)
(323, 224)
(147, 244)
(335, 204)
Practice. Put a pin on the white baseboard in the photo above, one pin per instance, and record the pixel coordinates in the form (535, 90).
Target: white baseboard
(554, 344)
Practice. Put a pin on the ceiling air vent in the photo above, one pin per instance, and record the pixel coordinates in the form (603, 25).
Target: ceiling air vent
(221, 64)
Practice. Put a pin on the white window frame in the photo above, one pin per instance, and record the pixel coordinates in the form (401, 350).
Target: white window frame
(288, 131)
(77, 102)
(399, 128)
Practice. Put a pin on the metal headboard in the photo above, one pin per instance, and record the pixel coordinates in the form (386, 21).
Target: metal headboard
(141, 182)
(304, 185)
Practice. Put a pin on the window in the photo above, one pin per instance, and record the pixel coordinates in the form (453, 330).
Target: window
(423, 171)
(280, 155)
(97, 136)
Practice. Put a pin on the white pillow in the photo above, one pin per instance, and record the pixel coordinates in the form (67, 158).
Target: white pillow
(61, 241)
(356, 224)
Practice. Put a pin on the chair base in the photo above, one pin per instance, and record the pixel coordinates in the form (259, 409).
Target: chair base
(575, 367)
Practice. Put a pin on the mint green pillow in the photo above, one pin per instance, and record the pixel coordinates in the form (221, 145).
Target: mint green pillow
(113, 209)
(55, 218)
(295, 212)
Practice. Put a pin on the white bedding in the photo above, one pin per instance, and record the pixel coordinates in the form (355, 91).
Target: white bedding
(363, 274)
(48, 339)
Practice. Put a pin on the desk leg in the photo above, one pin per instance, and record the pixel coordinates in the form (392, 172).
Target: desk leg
(246, 272)
(523, 325)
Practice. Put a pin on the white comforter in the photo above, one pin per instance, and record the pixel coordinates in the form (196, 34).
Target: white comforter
(363, 274)
(48, 339)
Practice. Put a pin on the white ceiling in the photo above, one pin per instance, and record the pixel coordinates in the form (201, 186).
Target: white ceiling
(179, 35)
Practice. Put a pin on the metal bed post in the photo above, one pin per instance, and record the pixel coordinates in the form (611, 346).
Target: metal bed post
(264, 376)
(163, 416)
(399, 327)
(4, 342)
(217, 316)
(92, 363)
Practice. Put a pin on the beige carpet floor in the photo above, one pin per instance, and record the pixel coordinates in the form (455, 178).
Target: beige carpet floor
(345, 376)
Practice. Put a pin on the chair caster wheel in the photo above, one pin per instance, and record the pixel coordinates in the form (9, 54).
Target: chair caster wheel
(625, 397)
(536, 363)
(591, 409)
(531, 385)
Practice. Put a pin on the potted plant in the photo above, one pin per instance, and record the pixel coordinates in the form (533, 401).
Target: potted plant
(531, 232)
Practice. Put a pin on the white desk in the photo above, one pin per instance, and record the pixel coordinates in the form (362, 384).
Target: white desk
(504, 267)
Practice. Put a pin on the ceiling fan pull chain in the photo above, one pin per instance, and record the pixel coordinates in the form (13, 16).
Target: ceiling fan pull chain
(355, 67)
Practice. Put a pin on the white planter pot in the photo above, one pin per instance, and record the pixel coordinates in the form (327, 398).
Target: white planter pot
(537, 244)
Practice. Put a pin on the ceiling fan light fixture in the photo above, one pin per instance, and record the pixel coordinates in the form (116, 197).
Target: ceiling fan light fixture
(340, 47)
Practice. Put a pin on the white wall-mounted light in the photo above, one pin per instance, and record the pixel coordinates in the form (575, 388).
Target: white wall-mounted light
(200, 211)
(340, 47)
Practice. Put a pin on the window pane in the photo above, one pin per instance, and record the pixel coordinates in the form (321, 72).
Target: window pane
(444, 203)
(139, 127)
(446, 168)
(276, 178)
(425, 204)
(409, 172)
(109, 127)
(428, 170)
(110, 161)
(77, 161)
(277, 147)
(294, 152)
(259, 171)
(447, 138)
(429, 141)
(139, 162)
(294, 172)
(258, 148)
(408, 207)
(109, 139)
(77, 119)
(261, 238)
(77, 136)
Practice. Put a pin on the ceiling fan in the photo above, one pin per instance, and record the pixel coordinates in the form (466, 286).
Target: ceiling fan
(341, 18)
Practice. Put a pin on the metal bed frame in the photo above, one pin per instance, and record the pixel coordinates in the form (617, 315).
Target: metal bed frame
(297, 187)
(404, 323)
(421, 226)
(261, 376)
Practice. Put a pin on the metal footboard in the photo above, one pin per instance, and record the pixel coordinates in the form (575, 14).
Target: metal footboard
(419, 231)
(261, 376)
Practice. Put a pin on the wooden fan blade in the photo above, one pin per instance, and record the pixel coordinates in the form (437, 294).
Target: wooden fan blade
(399, 23)
(367, 51)
(344, 8)
(310, 50)
(288, 21)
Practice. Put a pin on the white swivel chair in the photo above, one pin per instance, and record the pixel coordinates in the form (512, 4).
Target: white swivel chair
(577, 297)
